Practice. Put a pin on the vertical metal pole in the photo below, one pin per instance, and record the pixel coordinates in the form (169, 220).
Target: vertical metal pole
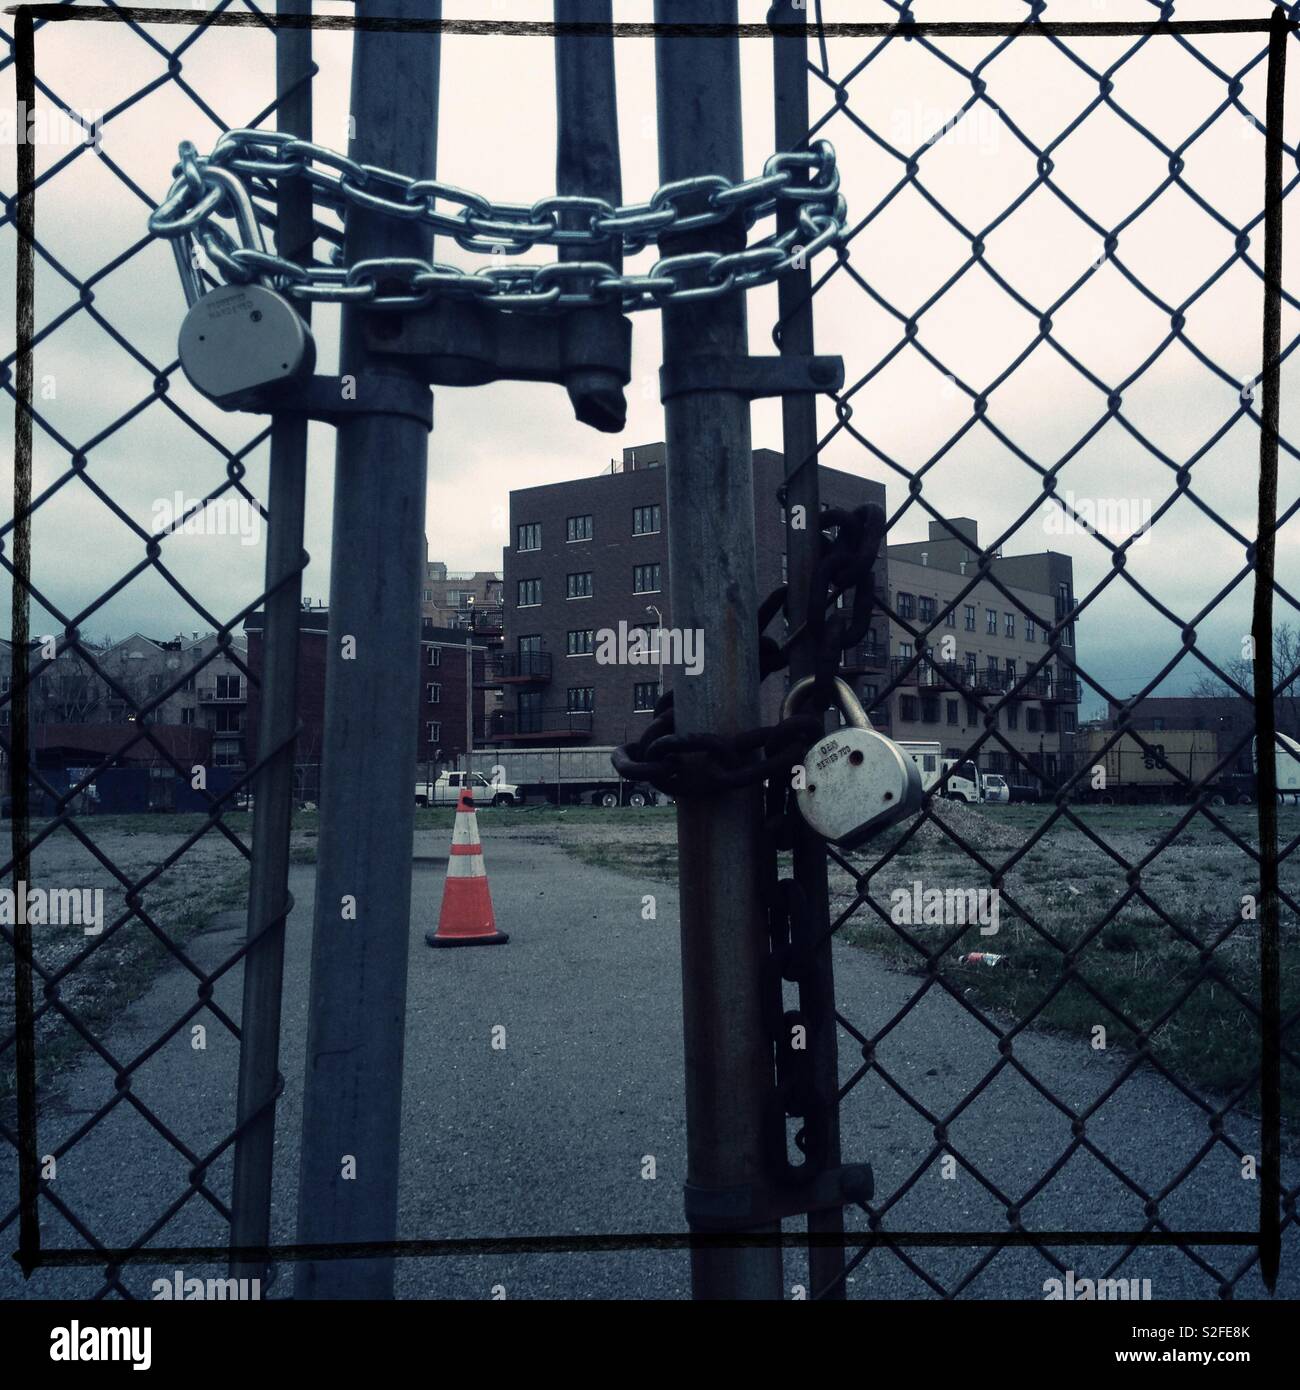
(20, 756)
(587, 163)
(353, 1093)
(1270, 1081)
(469, 709)
(268, 896)
(799, 431)
(714, 589)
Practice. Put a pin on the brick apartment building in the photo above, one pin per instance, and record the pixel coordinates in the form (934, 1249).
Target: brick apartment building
(588, 555)
(439, 737)
(984, 643)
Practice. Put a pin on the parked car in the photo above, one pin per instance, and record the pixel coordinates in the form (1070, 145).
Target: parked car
(996, 789)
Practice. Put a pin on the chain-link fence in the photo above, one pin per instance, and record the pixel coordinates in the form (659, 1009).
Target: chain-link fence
(1130, 913)
(126, 723)
(1118, 978)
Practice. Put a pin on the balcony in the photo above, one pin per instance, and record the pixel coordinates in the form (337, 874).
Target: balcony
(217, 695)
(515, 668)
(553, 725)
(864, 656)
(986, 680)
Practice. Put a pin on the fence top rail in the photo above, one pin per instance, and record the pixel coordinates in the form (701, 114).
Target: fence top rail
(526, 28)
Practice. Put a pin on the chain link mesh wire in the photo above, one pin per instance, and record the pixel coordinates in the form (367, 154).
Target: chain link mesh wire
(106, 310)
(993, 1134)
(1045, 973)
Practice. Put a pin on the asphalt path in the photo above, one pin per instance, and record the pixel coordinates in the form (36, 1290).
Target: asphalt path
(553, 1134)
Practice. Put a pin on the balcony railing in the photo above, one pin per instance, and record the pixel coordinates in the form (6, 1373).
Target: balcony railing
(516, 668)
(213, 695)
(554, 722)
(865, 656)
(981, 680)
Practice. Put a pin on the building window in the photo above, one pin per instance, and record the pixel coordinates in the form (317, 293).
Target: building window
(907, 708)
(187, 716)
(971, 661)
(1010, 621)
(435, 656)
(991, 621)
(529, 537)
(580, 698)
(905, 605)
(951, 711)
(970, 617)
(645, 579)
(432, 731)
(1030, 634)
(645, 520)
(1033, 721)
(1013, 717)
(929, 709)
(582, 641)
(433, 693)
(530, 593)
(579, 528)
(1011, 670)
(925, 609)
(950, 617)
(644, 695)
(229, 721)
(1069, 723)
(579, 585)
(905, 651)
(996, 762)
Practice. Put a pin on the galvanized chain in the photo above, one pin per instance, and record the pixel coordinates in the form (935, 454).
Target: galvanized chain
(245, 164)
(703, 764)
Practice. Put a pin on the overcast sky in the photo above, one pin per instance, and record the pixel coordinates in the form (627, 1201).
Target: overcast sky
(497, 137)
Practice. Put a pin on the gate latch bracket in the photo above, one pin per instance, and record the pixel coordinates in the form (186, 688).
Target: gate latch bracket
(751, 377)
(742, 1208)
(334, 400)
(465, 343)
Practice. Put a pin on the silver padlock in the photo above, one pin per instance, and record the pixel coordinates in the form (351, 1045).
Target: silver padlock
(240, 343)
(857, 781)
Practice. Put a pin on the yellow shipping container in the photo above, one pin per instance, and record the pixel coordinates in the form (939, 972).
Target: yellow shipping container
(1170, 756)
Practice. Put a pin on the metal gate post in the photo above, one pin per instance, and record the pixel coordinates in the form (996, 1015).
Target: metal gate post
(361, 932)
(269, 901)
(729, 1063)
(799, 440)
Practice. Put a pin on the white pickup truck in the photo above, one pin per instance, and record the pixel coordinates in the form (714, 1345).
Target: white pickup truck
(447, 789)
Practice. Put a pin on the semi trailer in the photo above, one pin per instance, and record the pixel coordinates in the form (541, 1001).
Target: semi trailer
(562, 776)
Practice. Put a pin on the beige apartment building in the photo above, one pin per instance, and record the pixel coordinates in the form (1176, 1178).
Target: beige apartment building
(214, 695)
(981, 642)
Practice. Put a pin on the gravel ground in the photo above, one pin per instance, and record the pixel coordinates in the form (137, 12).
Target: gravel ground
(549, 1136)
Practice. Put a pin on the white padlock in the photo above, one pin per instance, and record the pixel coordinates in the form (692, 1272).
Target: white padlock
(856, 781)
(239, 343)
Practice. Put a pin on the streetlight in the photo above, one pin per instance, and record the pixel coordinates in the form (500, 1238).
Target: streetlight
(659, 643)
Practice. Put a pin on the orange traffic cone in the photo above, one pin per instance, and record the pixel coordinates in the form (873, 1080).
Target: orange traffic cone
(466, 917)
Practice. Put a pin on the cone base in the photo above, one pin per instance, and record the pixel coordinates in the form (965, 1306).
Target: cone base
(496, 938)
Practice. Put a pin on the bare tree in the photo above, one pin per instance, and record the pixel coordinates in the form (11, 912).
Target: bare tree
(1286, 675)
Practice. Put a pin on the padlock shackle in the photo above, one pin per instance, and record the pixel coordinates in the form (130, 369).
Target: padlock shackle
(848, 703)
